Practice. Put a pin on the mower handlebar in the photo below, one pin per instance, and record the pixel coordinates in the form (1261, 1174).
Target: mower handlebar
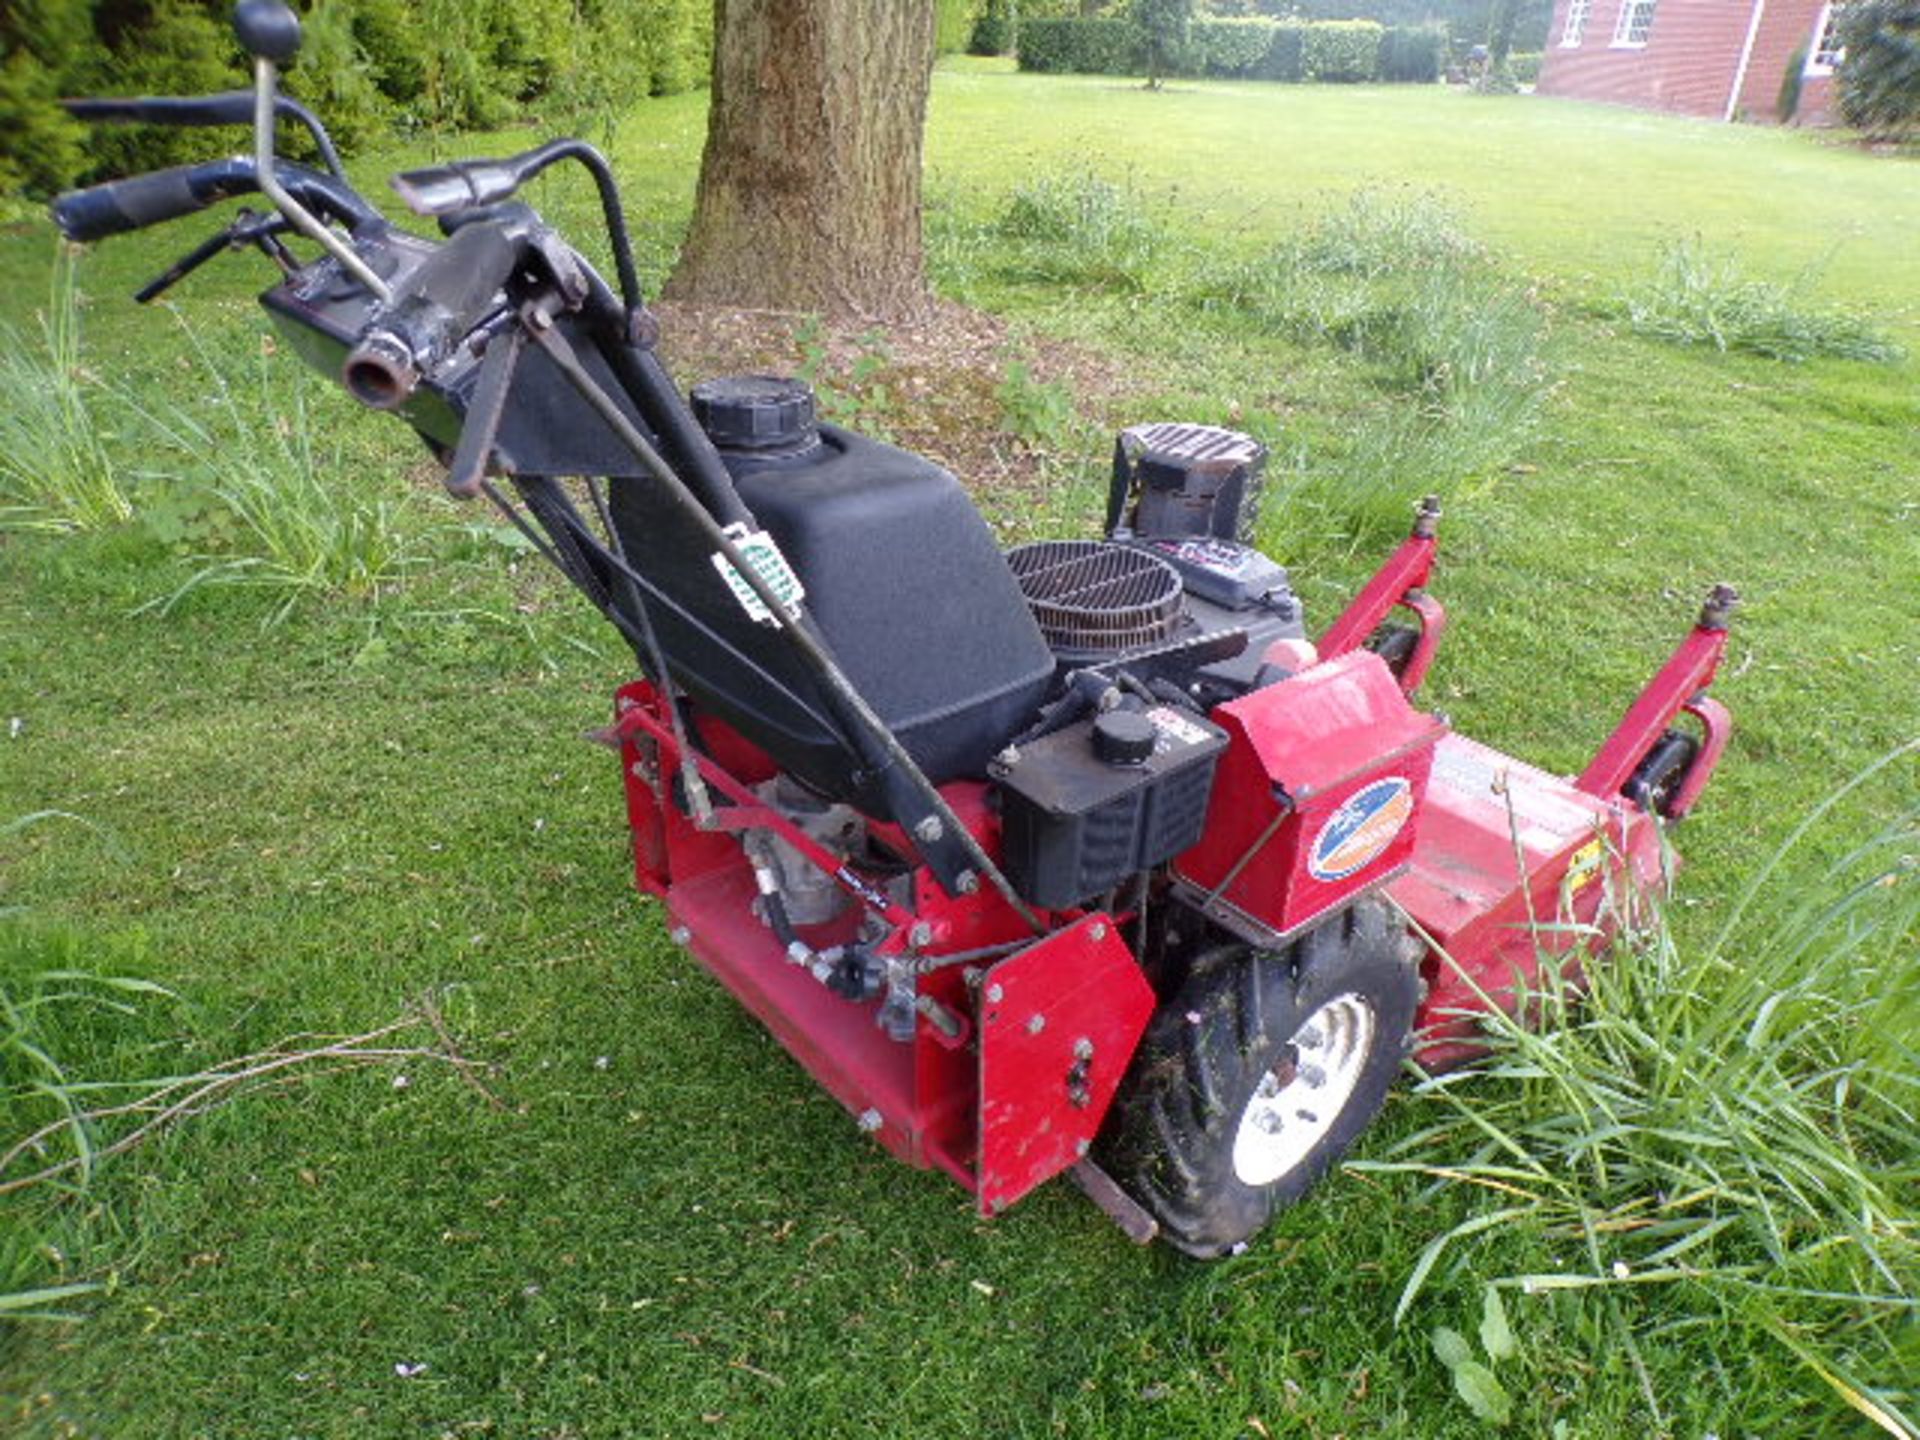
(117, 206)
(228, 107)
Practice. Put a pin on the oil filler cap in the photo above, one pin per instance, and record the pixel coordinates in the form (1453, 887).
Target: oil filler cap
(1124, 737)
(756, 412)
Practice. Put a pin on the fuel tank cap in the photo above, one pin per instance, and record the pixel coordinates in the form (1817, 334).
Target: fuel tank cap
(756, 413)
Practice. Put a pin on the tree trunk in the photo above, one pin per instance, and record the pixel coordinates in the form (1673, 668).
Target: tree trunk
(809, 193)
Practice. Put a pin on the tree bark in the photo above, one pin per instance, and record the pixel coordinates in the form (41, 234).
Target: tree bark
(809, 195)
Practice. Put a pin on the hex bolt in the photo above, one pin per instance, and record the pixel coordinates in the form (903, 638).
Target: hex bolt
(1081, 1147)
(920, 936)
(623, 704)
(680, 935)
(966, 882)
(869, 1120)
(1036, 1024)
(995, 994)
(1008, 757)
(929, 830)
(1083, 1049)
(1098, 932)
(1313, 1076)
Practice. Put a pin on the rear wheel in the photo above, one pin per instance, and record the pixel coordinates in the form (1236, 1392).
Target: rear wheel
(1259, 1073)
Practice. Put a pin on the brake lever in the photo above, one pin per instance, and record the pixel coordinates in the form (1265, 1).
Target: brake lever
(247, 229)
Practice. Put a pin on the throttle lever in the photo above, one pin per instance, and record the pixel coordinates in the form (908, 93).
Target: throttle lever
(246, 229)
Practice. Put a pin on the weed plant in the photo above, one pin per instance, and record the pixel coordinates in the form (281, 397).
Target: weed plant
(57, 470)
(262, 497)
(1734, 1120)
(1694, 298)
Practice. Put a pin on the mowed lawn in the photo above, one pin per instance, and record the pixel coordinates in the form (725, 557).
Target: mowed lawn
(663, 1228)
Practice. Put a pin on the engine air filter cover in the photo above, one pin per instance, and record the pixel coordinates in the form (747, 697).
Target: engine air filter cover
(1095, 598)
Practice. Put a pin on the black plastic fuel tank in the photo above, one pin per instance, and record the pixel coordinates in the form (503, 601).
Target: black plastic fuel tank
(903, 579)
(902, 574)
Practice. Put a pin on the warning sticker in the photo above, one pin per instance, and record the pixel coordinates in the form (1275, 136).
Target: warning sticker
(756, 547)
(1175, 728)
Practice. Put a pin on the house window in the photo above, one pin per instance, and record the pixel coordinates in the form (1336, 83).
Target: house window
(1827, 51)
(1636, 23)
(1576, 26)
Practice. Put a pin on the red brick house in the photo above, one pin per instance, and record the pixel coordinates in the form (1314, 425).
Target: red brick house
(1720, 58)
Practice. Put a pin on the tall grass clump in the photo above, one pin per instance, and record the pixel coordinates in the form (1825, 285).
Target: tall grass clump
(57, 471)
(58, 1018)
(1723, 1136)
(1693, 298)
(1078, 230)
(264, 496)
(1457, 348)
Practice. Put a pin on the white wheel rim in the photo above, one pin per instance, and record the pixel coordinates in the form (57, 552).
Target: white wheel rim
(1295, 1105)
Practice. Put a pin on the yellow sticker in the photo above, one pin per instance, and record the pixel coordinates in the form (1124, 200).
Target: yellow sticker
(1584, 868)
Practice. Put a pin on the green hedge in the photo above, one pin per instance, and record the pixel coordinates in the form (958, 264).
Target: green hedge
(1242, 48)
(1341, 52)
(1413, 54)
(369, 66)
(1236, 49)
(1524, 66)
(1083, 47)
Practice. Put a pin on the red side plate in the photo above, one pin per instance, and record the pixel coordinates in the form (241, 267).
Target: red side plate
(1058, 1025)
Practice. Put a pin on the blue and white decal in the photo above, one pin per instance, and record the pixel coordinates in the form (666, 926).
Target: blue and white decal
(1359, 832)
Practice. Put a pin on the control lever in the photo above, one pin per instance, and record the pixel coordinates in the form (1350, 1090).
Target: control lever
(270, 32)
(467, 471)
(247, 229)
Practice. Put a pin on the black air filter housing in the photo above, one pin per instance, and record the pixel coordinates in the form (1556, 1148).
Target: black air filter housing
(1094, 600)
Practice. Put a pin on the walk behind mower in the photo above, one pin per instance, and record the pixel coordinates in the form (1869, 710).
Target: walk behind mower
(1078, 858)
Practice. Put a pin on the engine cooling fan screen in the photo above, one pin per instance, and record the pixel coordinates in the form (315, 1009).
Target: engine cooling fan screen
(1091, 596)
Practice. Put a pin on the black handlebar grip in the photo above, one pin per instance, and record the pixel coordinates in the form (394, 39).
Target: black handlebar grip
(117, 206)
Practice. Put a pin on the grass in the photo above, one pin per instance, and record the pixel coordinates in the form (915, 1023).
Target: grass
(56, 468)
(666, 1229)
(1696, 300)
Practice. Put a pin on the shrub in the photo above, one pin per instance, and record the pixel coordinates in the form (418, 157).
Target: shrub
(1098, 46)
(953, 25)
(1694, 299)
(1236, 49)
(995, 30)
(41, 47)
(1786, 104)
(1410, 54)
(1880, 77)
(1524, 66)
(1341, 51)
(1167, 25)
(1284, 53)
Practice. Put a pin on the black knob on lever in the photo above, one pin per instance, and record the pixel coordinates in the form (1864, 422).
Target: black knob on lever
(268, 29)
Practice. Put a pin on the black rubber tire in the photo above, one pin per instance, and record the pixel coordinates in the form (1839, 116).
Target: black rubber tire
(1168, 1140)
(1660, 775)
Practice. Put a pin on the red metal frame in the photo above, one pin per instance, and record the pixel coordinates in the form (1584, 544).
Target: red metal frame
(1399, 583)
(1678, 689)
(1016, 1053)
(996, 1102)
